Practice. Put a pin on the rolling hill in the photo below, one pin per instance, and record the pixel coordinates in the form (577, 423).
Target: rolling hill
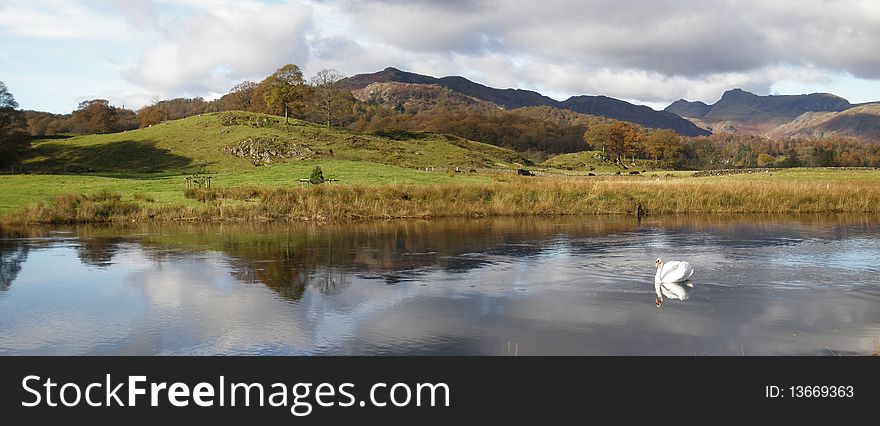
(239, 141)
(509, 99)
(241, 149)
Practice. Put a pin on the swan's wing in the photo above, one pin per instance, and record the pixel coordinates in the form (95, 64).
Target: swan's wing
(675, 271)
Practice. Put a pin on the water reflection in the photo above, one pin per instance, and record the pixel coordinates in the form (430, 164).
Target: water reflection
(98, 251)
(12, 255)
(555, 285)
(677, 291)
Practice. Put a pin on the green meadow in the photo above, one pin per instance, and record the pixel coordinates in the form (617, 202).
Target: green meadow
(154, 161)
(256, 162)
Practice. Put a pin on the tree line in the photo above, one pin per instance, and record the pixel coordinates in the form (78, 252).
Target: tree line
(622, 141)
(284, 93)
(733, 151)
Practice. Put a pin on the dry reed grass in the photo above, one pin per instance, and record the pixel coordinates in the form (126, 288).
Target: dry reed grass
(561, 196)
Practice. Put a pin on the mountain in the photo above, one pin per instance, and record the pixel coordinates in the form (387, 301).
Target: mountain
(745, 112)
(739, 105)
(506, 98)
(387, 75)
(419, 97)
(602, 106)
(688, 109)
(860, 122)
(415, 98)
(620, 110)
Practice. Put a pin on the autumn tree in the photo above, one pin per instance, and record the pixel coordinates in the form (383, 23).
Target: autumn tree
(98, 116)
(634, 143)
(329, 98)
(14, 139)
(285, 92)
(765, 160)
(664, 144)
(596, 137)
(622, 138)
(171, 109)
(94, 116)
(241, 97)
(151, 114)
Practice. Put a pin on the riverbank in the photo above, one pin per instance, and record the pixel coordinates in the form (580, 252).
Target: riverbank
(516, 197)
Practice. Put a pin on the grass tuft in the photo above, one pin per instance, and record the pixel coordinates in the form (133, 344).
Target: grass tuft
(140, 196)
(103, 206)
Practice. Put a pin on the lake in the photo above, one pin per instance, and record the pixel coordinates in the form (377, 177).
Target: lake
(764, 285)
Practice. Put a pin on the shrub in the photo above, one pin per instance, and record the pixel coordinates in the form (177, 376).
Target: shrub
(317, 176)
(766, 160)
(140, 196)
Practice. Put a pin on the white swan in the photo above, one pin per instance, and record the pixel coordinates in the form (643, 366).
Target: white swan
(669, 274)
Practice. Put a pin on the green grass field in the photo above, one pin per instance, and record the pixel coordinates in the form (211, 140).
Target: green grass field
(148, 166)
(155, 160)
(17, 191)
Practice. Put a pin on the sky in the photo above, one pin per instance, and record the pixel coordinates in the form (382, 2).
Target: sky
(57, 53)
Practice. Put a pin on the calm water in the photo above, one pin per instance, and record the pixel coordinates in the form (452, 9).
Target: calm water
(763, 285)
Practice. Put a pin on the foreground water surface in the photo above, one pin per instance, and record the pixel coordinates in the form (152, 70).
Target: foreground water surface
(518, 286)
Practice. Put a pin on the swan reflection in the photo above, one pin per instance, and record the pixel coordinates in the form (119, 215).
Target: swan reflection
(676, 291)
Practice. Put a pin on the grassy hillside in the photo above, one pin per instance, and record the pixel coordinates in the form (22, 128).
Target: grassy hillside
(593, 161)
(241, 149)
(237, 141)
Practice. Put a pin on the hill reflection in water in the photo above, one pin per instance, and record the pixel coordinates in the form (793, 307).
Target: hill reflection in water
(560, 285)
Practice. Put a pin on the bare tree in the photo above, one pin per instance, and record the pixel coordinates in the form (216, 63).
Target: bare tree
(329, 96)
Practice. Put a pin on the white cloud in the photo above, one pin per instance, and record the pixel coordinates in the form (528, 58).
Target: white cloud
(648, 50)
(59, 19)
(141, 14)
(218, 48)
(424, 27)
(652, 51)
